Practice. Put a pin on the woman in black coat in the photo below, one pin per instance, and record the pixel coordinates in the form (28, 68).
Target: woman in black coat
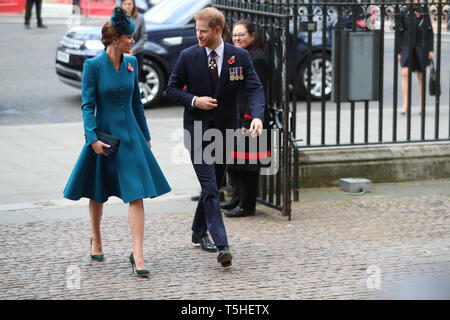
(421, 37)
(244, 177)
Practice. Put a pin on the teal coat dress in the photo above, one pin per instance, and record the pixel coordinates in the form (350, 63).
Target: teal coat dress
(111, 104)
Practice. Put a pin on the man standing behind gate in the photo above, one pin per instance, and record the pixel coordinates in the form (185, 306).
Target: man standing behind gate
(213, 71)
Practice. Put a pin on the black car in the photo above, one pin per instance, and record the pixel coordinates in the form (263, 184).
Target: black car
(171, 28)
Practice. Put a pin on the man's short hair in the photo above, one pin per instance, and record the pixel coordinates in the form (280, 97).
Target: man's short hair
(213, 16)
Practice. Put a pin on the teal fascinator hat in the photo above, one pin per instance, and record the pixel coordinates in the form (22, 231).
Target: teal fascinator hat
(121, 22)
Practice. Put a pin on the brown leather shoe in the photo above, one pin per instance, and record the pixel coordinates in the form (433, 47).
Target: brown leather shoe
(225, 257)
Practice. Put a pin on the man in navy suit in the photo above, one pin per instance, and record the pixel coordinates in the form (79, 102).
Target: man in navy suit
(213, 71)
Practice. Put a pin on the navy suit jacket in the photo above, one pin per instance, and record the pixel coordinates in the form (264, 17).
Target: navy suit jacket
(191, 70)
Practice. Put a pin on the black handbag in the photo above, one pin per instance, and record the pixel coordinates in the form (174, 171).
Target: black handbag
(112, 141)
(434, 86)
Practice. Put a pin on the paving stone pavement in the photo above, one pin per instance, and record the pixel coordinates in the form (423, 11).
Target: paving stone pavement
(338, 249)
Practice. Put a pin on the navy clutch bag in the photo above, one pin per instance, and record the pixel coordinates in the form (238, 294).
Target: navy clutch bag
(114, 142)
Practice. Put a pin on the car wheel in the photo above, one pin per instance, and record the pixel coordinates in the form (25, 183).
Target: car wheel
(316, 77)
(153, 87)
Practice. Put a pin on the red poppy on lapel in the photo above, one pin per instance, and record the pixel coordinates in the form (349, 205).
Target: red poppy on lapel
(417, 15)
(130, 67)
(231, 60)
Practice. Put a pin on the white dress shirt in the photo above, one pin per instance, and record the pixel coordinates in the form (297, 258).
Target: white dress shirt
(219, 60)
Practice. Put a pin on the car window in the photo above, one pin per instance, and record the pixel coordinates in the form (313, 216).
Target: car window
(174, 11)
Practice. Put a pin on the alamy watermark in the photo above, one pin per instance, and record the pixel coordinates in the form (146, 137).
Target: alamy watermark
(73, 277)
(77, 19)
(232, 147)
(374, 279)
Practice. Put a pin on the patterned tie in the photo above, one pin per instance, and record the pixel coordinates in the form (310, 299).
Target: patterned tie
(214, 74)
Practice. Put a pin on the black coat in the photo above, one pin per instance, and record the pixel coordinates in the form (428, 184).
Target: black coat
(261, 64)
(262, 68)
(421, 36)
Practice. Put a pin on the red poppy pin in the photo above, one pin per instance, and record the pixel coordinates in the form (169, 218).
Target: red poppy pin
(231, 60)
(417, 15)
(130, 67)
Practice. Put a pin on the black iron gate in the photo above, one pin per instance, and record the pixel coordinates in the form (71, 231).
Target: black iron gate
(381, 120)
(272, 23)
(299, 36)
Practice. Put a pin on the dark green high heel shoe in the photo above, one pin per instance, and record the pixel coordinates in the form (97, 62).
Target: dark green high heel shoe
(144, 273)
(96, 257)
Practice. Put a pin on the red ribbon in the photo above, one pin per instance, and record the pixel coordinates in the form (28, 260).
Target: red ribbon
(251, 155)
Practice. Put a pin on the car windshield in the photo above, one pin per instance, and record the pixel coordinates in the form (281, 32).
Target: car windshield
(174, 11)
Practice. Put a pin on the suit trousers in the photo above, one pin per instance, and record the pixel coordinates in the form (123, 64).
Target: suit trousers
(208, 216)
(29, 9)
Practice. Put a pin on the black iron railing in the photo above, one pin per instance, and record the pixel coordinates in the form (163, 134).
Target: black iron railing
(298, 37)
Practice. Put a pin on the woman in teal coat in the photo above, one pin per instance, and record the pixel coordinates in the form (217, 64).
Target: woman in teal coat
(111, 104)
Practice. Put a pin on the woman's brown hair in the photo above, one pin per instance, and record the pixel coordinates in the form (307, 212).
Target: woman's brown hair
(109, 33)
(135, 9)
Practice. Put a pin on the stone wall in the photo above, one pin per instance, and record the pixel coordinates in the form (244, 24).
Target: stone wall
(321, 167)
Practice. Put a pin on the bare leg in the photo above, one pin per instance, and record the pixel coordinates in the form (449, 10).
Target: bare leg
(136, 218)
(405, 88)
(420, 77)
(96, 212)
